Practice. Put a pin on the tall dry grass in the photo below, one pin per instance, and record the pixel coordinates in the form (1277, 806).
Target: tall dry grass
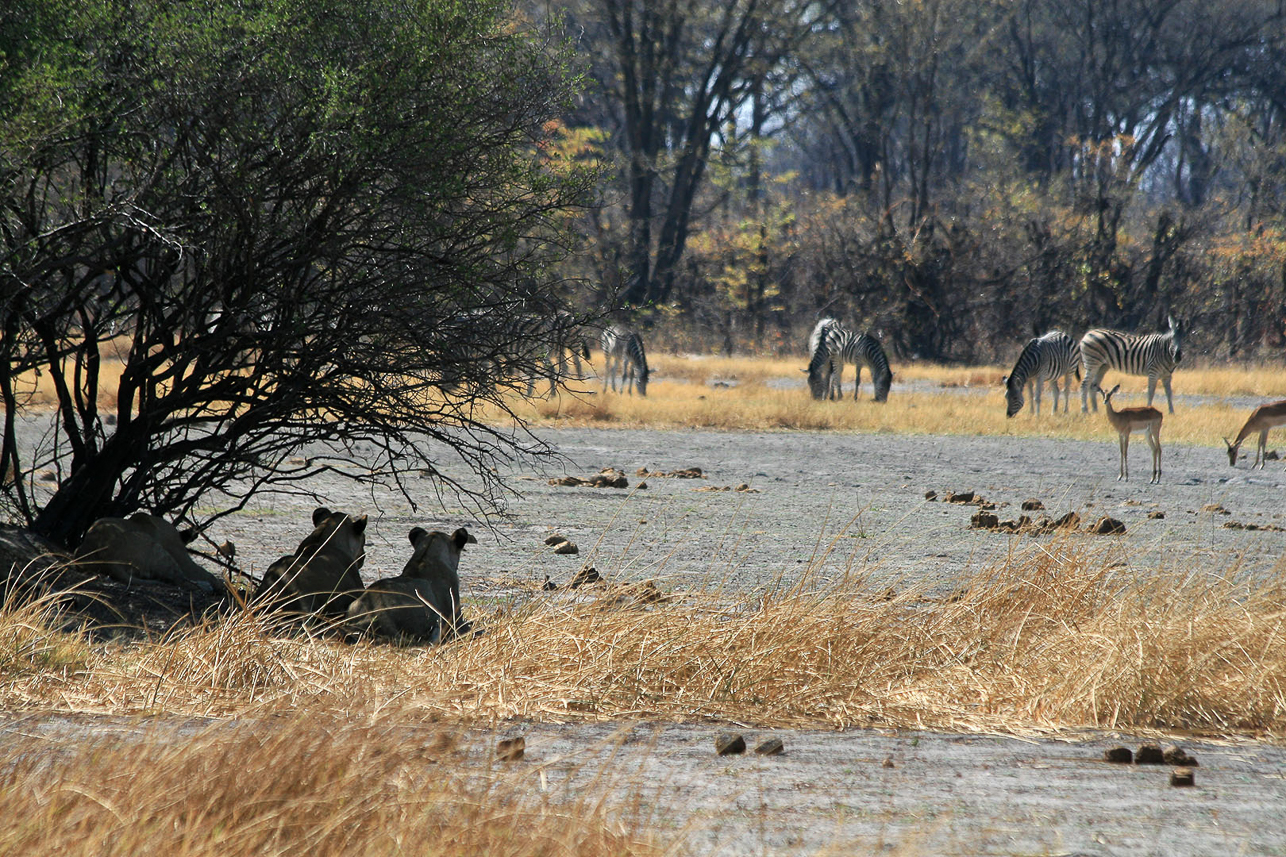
(301, 785)
(1061, 636)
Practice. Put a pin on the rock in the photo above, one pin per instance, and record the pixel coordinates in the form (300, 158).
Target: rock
(1149, 754)
(930, 495)
(549, 585)
(984, 521)
(1070, 521)
(888, 762)
(555, 539)
(1106, 526)
(1215, 509)
(729, 744)
(1182, 778)
(511, 749)
(1118, 755)
(566, 548)
(1033, 506)
(960, 497)
(1156, 516)
(587, 574)
(770, 747)
(642, 486)
(1173, 754)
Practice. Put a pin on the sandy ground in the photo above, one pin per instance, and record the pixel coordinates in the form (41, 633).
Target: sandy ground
(848, 504)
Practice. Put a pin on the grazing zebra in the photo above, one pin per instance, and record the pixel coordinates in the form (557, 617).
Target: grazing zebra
(832, 346)
(563, 335)
(1044, 358)
(623, 351)
(1154, 355)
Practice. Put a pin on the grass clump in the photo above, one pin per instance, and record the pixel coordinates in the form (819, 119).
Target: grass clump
(1060, 636)
(304, 785)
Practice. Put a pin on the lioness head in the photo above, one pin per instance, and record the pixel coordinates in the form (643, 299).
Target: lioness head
(436, 552)
(336, 533)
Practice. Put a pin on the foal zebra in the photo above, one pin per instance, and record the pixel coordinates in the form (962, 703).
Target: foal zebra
(1155, 355)
(832, 345)
(1044, 358)
(623, 351)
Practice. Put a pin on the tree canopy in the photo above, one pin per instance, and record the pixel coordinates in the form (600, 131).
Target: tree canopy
(291, 220)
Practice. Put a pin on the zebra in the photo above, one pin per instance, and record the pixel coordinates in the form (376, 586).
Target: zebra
(1155, 355)
(1047, 357)
(623, 350)
(563, 335)
(832, 346)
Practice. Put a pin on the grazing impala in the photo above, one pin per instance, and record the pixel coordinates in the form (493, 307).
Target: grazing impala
(1127, 420)
(1264, 418)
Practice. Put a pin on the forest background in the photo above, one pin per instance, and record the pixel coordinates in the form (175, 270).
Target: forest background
(951, 175)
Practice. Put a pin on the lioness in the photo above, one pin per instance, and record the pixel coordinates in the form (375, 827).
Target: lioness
(146, 547)
(423, 602)
(322, 575)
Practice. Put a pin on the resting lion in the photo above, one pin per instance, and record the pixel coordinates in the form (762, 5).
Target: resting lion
(146, 547)
(323, 574)
(423, 602)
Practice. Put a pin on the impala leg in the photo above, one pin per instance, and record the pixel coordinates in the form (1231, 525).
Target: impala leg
(1155, 443)
(1125, 458)
(1261, 452)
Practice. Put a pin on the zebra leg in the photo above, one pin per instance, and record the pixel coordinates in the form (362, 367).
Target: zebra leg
(857, 379)
(1093, 378)
(1036, 385)
(1169, 400)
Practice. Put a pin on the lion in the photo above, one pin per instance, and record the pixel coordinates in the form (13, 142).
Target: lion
(146, 547)
(323, 575)
(423, 602)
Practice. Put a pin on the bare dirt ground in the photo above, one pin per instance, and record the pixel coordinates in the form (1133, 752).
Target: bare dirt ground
(845, 504)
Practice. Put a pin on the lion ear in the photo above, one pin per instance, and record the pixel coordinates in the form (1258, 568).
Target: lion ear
(320, 514)
(416, 534)
(463, 537)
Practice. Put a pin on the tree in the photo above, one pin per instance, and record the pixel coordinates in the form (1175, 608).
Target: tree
(292, 221)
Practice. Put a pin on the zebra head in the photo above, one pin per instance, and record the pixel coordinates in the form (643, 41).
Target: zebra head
(1173, 346)
(819, 372)
(1013, 395)
(882, 383)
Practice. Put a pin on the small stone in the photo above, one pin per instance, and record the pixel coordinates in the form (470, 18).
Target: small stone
(1173, 754)
(729, 744)
(984, 521)
(555, 539)
(1118, 755)
(511, 749)
(888, 762)
(1033, 505)
(1070, 521)
(1215, 508)
(642, 486)
(1106, 526)
(1182, 778)
(1149, 754)
(549, 585)
(1156, 516)
(587, 574)
(960, 497)
(930, 495)
(566, 548)
(770, 747)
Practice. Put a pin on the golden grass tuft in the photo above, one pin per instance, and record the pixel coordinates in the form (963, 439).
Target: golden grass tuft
(303, 785)
(1061, 636)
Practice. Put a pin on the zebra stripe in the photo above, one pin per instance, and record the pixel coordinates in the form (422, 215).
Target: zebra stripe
(623, 351)
(1155, 355)
(833, 345)
(1045, 358)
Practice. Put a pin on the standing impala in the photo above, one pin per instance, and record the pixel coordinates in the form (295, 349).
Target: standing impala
(1127, 420)
(1264, 418)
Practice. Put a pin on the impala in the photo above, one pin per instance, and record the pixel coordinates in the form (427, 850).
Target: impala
(1128, 420)
(1265, 417)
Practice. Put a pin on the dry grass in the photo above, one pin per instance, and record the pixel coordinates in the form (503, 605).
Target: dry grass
(303, 785)
(1062, 636)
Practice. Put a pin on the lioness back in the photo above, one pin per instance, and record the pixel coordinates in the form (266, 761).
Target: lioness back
(323, 575)
(423, 602)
